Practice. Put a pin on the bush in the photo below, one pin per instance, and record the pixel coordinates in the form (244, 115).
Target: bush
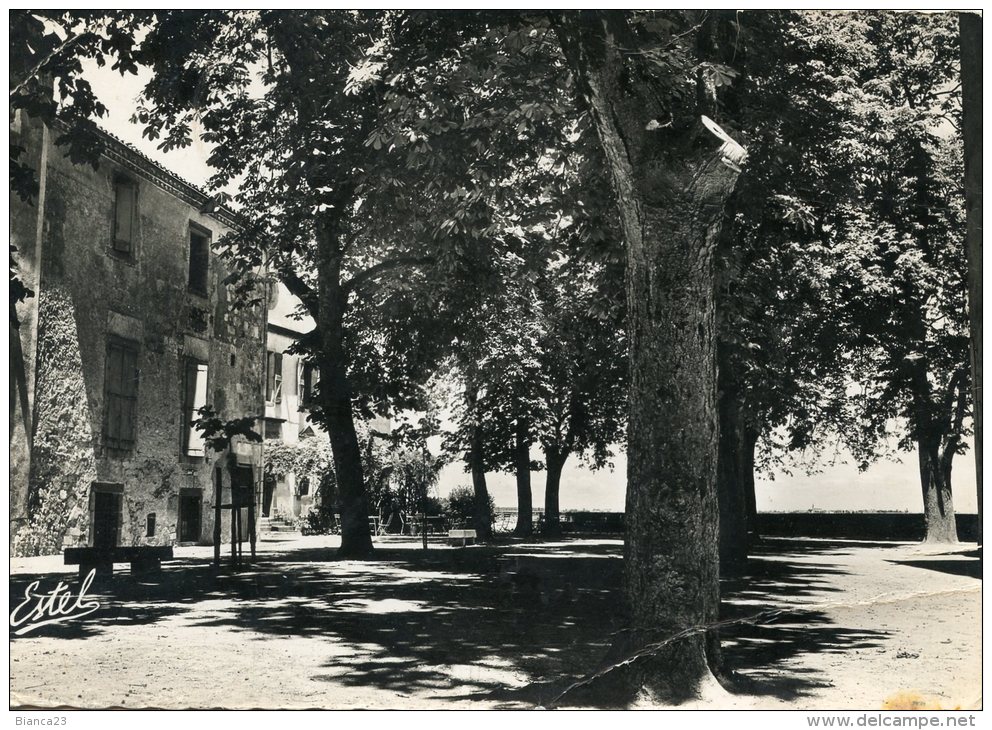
(434, 506)
(315, 522)
(459, 507)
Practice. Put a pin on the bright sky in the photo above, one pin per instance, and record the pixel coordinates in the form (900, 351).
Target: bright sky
(887, 485)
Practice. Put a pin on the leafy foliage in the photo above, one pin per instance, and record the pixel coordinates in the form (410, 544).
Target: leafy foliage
(219, 434)
(459, 507)
(850, 118)
(47, 84)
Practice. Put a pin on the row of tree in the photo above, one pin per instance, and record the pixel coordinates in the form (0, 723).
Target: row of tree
(541, 209)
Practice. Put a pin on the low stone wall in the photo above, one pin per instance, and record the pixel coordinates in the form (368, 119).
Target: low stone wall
(856, 525)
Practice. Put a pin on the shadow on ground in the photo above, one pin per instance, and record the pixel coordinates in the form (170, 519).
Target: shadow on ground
(757, 656)
(514, 623)
(967, 563)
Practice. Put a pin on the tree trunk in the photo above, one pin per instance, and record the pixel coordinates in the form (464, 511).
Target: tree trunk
(482, 520)
(671, 190)
(335, 401)
(971, 103)
(938, 507)
(552, 488)
(525, 503)
(731, 485)
(747, 477)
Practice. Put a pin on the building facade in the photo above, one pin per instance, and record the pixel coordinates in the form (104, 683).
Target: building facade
(130, 330)
(289, 389)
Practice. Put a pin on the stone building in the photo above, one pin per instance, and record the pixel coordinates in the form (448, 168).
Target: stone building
(130, 329)
(289, 388)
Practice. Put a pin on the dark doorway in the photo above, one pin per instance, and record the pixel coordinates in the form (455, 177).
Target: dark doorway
(268, 489)
(106, 519)
(190, 517)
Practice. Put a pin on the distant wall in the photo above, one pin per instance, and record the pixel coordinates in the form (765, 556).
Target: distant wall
(900, 526)
(856, 525)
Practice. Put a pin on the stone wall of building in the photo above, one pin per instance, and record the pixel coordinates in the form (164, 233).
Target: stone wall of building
(86, 295)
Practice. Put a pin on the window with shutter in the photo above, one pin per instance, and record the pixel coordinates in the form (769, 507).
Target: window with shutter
(199, 261)
(310, 378)
(125, 197)
(273, 377)
(194, 398)
(120, 395)
(270, 373)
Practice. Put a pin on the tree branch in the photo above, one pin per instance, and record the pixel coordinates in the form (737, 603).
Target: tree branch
(363, 277)
(956, 425)
(38, 66)
(953, 384)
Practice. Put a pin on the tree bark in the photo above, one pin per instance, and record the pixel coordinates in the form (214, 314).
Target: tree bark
(747, 476)
(331, 299)
(971, 103)
(555, 462)
(482, 521)
(525, 502)
(671, 191)
(938, 506)
(335, 401)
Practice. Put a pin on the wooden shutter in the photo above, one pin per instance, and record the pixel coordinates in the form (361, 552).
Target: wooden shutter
(270, 372)
(121, 395)
(199, 262)
(277, 379)
(112, 381)
(124, 199)
(129, 395)
(194, 398)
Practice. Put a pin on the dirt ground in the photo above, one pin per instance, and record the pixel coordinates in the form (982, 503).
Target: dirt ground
(870, 626)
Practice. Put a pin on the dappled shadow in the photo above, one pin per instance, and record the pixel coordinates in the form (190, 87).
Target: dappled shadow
(461, 620)
(513, 623)
(781, 576)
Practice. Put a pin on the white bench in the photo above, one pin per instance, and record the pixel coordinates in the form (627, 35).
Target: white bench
(463, 535)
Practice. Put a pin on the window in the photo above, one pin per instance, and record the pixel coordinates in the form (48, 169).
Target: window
(194, 397)
(273, 429)
(304, 486)
(199, 260)
(106, 501)
(120, 394)
(125, 199)
(150, 525)
(309, 378)
(273, 377)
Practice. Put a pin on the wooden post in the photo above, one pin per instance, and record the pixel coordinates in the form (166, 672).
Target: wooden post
(251, 520)
(218, 496)
(423, 514)
(241, 534)
(234, 537)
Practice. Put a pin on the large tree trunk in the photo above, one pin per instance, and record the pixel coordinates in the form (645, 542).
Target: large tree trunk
(938, 507)
(525, 503)
(555, 462)
(335, 401)
(482, 520)
(672, 188)
(731, 485)
(971, 103)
